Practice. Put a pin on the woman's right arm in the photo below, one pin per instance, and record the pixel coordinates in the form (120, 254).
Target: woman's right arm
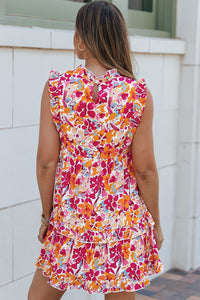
(145, 169)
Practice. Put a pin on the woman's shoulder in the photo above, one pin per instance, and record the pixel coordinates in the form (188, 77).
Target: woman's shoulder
(55, 75)
(137, 88)
(133, 82)
(57, 79)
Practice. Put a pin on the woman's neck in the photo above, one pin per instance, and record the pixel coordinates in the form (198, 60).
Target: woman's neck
(95, 66)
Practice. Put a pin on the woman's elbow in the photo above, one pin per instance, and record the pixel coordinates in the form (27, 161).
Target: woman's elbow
(45, 162)
(145, 173)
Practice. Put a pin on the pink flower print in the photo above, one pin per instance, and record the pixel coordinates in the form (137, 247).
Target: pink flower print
(82, 109)
(96, 143)
(128, 80)
(134, 271)
(104, 171)
(70, 270)
(86, 108)
(80, 151)
(107, 167)
(116, 252)
(79, 94)
(78, 181)
(89, 236)
(90, 111)
(111, 202)
(62, 286)
(133, 248)
(103, 87)
(124, 96)
(104, 97)
(78, 167)
(63, 252)
(102, 115)
(140, 90)
(128, 111)
(89, 125)
(54, 268)
(96, 182)
(43, 252)
(71, 162)
(93, 195)
(120, 232)
(111, 269)
(59, 271)
(79, 254)
(113, 179)
(74, 203)
(97, 254)
(85, 81)
(138, 286)
(92, 275)
(63, 240)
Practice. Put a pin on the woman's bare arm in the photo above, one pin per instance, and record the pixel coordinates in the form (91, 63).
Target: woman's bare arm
(145, 166)
(144, 161)
(47, 154)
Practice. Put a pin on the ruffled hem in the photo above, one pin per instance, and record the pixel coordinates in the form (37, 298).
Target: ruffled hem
(98, 268)
(107, 234)
(112, 286)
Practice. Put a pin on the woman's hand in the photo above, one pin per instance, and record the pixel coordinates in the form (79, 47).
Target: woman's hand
(158, 235)
(42, 232)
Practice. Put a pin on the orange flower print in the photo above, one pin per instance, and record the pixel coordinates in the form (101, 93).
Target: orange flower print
(85, 209)
(89, 255)
(123, 202)
(126, 250)
(100, 236)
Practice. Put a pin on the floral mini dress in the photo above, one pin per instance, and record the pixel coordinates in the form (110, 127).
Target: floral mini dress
(101, 237)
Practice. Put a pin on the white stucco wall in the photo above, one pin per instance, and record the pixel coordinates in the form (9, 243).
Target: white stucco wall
(26, 57)
(187, 209)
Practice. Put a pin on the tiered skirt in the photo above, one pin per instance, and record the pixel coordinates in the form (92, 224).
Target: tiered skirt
(123, 265)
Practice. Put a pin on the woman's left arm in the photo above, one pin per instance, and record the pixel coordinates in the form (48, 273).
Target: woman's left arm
(47, 154)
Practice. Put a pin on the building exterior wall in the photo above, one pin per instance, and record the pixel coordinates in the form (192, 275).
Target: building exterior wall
(26, 57)
(187, 209)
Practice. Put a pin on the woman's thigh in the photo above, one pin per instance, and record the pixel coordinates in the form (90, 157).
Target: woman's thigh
(120, 296)
(41, 290)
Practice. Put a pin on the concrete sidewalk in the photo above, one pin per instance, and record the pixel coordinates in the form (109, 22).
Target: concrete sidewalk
(173, 285)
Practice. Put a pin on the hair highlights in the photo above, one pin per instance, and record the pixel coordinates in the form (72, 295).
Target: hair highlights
(102, 28)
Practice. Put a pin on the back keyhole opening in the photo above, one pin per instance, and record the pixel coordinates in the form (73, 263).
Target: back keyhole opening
(95, 92)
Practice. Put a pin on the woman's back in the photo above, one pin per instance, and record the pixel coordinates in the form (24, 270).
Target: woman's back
(98, 166)
(95, 184)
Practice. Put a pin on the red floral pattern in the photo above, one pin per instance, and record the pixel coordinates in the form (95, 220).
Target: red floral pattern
(100, 236)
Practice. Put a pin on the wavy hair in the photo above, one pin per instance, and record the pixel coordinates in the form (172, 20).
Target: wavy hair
(103, 30)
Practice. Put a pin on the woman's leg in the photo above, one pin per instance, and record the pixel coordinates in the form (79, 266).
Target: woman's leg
(41, 290)
(120, 296)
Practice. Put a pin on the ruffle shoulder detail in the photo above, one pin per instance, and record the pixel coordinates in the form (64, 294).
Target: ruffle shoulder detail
(139, 98)
(55, 90)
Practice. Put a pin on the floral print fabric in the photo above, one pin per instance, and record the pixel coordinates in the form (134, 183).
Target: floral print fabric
(100, 236)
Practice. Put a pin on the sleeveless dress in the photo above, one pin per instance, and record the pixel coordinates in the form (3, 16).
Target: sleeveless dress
(101, 236)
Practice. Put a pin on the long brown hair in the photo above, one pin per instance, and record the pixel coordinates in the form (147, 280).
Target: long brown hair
(103, 30)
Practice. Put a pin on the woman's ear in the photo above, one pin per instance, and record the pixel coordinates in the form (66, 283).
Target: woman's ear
(81, 45)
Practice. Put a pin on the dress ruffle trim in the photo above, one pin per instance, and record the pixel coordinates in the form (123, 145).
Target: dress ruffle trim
(110, 286)
(112, 232)
(99, 268)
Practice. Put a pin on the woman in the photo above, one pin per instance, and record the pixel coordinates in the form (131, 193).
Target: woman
(96, 169)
